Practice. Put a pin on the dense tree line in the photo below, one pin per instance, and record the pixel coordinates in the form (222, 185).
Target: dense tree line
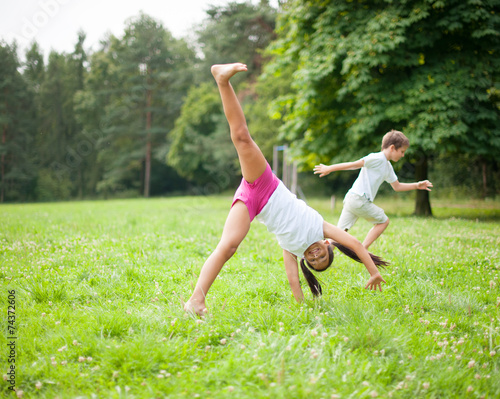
(428, 68)
(141, 115)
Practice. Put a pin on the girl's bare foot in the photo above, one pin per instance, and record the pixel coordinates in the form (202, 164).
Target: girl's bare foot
(223, 72)
(193, 306)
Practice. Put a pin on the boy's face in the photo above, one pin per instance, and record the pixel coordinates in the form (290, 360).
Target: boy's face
(397, 154)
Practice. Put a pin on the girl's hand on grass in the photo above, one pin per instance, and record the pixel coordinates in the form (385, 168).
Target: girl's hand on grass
(375, 282)
(195, 308)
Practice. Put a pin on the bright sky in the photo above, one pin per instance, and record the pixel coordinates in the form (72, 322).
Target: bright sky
(54, 23)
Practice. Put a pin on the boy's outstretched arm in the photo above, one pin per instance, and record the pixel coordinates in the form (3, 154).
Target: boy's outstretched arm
(421, 185)
(323, 170)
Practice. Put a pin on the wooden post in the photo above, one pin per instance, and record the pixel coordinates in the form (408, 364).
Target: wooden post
(293, 189)
(275, 160)
(147, 161)
(285, 168)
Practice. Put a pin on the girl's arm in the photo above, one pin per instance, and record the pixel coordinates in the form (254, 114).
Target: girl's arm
(323, 170)
(421, 185)
(292, 272)
(339, 235)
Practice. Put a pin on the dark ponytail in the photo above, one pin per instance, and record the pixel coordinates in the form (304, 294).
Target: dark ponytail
(312, 281)
(379, 262)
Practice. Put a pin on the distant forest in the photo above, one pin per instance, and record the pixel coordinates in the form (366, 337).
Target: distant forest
(141, 115)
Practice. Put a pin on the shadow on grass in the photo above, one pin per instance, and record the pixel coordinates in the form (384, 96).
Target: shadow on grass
(443, 212)
(458, 212)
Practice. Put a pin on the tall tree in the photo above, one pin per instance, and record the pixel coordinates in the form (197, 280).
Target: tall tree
(17, 129)
(75, 81)
(90, 111)
(34, 67)
(61, 150)
(428, 68)
(58, 160)
(149, 72)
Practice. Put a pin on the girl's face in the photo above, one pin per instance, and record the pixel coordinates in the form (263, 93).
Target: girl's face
(317, 255)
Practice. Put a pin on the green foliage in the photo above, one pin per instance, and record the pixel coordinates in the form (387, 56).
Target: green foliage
(465, 177)
(427, 68)
(265, 113)
(52, 186)
(17, 130)
(236, 32)
(34, 67)
(98, 306)
(101, 124)
(61, 149)
(133, 96)
(201, 148)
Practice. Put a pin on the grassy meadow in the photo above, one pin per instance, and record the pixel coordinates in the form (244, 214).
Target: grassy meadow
(98, 289)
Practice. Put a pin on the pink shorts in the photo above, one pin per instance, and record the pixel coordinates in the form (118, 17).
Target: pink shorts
(255, 195)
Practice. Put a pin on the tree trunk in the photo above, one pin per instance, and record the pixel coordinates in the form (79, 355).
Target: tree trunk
(485, 181)
(422, 204)
(147, 166)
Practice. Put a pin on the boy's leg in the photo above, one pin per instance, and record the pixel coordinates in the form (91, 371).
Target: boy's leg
(252, 161)
(358, 206)
(346, 220)
(348, 216)
(235, 229)
(375, 233)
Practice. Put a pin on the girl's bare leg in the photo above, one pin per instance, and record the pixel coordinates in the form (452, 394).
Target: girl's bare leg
(252, 161)
(235, 229)
(253, 164)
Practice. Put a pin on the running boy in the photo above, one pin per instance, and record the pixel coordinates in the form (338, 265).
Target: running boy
(375, 169)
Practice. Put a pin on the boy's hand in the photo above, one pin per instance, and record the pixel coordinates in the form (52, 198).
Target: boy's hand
(424, 185)
(375, 282)
(321, 170)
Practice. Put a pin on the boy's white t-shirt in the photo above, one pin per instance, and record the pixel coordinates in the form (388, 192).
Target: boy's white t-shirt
(295, 224)
(376, 170)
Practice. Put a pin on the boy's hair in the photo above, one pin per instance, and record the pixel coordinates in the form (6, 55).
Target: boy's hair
(396, 138)
(313, 282)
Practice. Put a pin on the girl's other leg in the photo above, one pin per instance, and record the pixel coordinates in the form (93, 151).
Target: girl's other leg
(252, 161)
(235, 229)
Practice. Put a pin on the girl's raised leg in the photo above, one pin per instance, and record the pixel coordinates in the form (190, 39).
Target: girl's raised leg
(252, 161)
(253, 164)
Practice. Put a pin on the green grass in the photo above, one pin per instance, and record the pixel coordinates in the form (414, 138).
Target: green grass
(99, 287)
